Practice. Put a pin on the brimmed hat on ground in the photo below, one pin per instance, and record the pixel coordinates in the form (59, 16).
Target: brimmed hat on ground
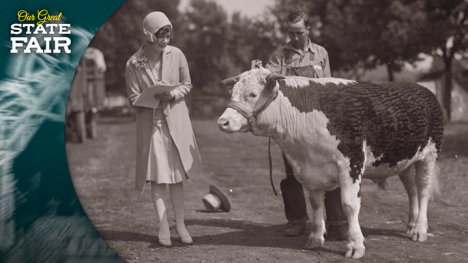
(216, 199)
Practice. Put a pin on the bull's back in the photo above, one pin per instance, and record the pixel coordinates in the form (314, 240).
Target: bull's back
(411, 122)
(394, 120)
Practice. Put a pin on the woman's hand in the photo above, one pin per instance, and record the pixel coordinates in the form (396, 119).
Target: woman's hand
(161, 82)
(166, 95)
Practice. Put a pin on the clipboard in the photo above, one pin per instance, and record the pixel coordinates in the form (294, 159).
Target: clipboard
(147, 99)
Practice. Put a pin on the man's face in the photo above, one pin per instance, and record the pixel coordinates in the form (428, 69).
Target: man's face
(298, 33)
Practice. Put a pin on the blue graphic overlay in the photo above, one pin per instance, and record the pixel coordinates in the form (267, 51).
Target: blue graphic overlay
(41, 219)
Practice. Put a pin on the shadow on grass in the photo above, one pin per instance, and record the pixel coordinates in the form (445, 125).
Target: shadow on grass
(367, 232)
(248, 234)
(110, 235)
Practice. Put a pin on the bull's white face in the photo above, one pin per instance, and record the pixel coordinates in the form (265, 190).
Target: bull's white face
(248, 93)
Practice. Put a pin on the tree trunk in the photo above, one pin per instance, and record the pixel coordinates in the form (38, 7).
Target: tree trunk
(447, 88)
(390, 71)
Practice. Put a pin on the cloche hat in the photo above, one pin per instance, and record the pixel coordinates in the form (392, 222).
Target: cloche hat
(153, 22)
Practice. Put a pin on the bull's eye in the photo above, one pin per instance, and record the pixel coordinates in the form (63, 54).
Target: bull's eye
(253, 95)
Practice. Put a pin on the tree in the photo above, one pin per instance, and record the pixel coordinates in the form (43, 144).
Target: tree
(207, 42)
(219, 48)
(365, 33)
(368, 33)
(252, 39)
(448, 31)
(216, 47)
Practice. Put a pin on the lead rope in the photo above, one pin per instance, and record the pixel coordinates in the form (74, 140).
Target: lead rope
(271, 166)
(253, 65)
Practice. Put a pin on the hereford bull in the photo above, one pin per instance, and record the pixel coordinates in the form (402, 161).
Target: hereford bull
(335, 131)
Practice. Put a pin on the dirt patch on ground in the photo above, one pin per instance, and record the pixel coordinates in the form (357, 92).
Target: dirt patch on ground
(102, 172)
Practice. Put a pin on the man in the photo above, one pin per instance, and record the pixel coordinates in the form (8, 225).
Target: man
(301, 57)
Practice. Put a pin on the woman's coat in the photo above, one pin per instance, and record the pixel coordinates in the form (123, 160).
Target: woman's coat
(175, 71)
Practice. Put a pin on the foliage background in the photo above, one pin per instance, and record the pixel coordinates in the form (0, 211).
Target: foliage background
(358, 34)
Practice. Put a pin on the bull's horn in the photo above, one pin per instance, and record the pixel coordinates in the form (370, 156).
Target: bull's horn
(229, 82)
(271, 80)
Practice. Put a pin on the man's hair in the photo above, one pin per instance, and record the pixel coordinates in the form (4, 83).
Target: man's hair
(295, 17)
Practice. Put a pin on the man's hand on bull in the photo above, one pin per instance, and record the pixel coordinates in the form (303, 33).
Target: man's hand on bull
(166, 95)
(258, 63)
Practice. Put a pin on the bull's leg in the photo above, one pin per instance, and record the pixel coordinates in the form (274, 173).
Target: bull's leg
(424, 176)
(351, 200)
(316, 238)
(409, 181)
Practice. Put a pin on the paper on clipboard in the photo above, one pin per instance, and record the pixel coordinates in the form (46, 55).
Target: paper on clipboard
(147, 99)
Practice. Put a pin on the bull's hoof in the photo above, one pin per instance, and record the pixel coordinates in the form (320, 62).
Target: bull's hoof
(315, 242)
(355, 251)
(420, 233)
(410, 229)
(420, 236)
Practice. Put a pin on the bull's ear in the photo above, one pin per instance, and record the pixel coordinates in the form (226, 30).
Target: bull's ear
(229, 82)
(271, 81)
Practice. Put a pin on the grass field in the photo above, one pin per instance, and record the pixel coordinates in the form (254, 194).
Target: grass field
(102, 171)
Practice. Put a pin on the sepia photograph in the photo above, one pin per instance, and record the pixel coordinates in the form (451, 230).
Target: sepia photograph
(324, 94)
(252, 131)
(41, 218)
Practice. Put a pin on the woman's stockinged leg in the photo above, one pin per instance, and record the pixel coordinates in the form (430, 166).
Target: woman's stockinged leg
(158, 192)
(177, 199)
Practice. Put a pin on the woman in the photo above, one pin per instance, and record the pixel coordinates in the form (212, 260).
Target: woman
(167, 153)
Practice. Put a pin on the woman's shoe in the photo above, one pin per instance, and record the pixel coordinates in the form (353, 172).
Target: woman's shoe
(187, 240)
(165, 241)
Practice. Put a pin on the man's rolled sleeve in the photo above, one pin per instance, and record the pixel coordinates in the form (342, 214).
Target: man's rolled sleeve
(275, 62)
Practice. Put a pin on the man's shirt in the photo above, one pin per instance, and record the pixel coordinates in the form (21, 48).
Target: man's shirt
(287, 56)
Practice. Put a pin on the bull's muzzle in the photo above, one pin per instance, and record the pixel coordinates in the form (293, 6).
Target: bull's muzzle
(223, 124)
(232, 121)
